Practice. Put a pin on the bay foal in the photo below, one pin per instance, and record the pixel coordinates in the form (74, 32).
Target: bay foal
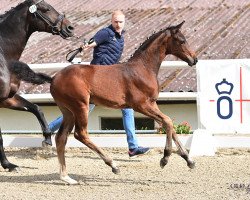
(132, 84)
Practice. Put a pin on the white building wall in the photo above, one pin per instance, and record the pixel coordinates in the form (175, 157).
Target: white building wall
(11, 120)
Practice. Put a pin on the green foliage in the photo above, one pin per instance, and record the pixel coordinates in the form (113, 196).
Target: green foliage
(182, 128)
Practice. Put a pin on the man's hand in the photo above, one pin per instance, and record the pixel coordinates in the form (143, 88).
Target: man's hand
(90, 44)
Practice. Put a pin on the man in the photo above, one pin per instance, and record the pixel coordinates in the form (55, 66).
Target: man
(108, 44)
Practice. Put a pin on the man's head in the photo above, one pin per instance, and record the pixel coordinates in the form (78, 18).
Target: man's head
(118, 21)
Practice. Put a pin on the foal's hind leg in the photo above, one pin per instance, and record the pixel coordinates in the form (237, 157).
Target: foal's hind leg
(4, 161)
(19, 103)
(81, 134)
(61, 140)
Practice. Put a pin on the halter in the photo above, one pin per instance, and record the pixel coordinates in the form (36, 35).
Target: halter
(54, 26)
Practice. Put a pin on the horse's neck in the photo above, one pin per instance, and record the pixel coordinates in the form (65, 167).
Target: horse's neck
(13, 35)
(151, 57)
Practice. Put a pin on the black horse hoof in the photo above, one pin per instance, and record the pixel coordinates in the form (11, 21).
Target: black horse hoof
(116, 170)
(47, 142)
(163, 162)
(11, 167)
(15, 169)
(191, 164)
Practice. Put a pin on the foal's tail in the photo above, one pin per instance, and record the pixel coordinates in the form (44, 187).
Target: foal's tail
(24, 73)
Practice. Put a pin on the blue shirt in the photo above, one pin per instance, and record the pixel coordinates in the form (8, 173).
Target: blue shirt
(109, 47)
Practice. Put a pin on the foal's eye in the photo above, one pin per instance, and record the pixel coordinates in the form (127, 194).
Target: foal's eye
(182, 41)
(179, 41)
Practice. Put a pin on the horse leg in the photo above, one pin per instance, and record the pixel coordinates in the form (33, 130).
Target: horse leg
(19, 103)
(4, 161)
(4, 80)
(182, 151)
(61, 140)
(83, 137)
(151, 109)
(81, 134)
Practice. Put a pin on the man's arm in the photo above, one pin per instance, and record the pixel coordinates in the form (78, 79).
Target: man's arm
(100, 37)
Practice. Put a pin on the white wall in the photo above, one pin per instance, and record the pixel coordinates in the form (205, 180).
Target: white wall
(17, 120)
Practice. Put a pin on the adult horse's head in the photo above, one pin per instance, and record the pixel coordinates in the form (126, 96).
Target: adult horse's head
(43, 17)
(178, 46)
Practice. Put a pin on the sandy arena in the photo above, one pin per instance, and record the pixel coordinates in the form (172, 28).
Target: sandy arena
(225, 176)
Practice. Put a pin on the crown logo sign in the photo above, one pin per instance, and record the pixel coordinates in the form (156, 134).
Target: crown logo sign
(224, 87)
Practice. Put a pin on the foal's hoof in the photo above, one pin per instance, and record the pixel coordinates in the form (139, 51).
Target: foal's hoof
(69, 180)
(191, 164)
(163, 162)
(116, 170)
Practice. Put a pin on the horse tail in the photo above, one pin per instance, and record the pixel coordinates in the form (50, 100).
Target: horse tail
(24, 73)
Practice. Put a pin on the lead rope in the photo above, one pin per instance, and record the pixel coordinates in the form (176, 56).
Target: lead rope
(74, 52)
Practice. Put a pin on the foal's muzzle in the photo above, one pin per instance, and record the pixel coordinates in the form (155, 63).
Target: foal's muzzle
(192, 61)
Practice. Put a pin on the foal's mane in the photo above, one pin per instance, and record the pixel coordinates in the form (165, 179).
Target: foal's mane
(149, 40)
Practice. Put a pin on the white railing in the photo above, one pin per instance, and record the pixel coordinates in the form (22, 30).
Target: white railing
(58, 66)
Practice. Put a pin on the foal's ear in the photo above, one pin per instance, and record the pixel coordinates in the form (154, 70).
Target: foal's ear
(168, 33)
(176, 28)
(180, 25)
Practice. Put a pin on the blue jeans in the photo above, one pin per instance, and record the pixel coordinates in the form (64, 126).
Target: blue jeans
(55, 125)
(128, 124)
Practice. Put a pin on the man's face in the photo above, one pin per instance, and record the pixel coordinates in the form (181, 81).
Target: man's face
(118, 22)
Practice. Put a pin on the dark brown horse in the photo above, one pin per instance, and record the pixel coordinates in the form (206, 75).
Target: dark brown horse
(132, 84)
(16, 26)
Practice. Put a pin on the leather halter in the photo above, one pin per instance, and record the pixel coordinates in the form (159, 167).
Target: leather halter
(55, 28)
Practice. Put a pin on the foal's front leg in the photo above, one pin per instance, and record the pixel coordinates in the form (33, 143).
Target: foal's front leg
(183, 152)
(171, 134)
(151, 109)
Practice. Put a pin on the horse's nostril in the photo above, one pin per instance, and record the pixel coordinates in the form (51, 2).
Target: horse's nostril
(70, 28)
(195, 60)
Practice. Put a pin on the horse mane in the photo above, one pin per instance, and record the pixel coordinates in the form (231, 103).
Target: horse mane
(19, 6)
(147, 42)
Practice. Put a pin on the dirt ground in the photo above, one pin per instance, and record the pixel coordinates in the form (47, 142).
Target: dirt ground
(224, 176)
